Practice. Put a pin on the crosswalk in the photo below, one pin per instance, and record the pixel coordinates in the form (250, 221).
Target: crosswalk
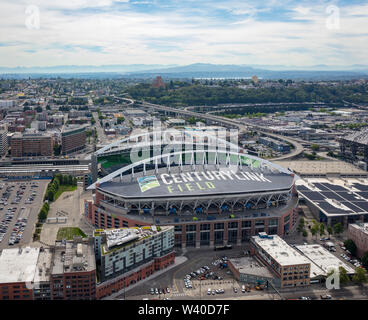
(179, 294)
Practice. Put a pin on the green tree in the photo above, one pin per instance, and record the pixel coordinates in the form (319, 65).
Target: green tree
(360, 275)
(314, 229)
(305, 233)
(57, 149)
(365, 259)
(315, 147)
(42, 215)
(50, 195)
(351, 246)
(329, 230)
(338, 228)
(321, 229)
(120, 120)
(70, 179)
(344, 278)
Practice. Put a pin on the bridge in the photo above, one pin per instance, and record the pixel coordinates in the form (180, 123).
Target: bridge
(229, 123)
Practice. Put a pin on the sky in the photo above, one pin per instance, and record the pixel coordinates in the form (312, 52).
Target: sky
(106, 32)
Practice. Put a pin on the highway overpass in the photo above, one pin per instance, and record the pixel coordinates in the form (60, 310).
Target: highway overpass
(229, 123)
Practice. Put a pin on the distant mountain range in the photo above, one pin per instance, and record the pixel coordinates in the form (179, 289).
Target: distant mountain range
(197, 70)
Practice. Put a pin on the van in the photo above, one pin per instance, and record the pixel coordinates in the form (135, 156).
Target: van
(209, 291)
(243, 288)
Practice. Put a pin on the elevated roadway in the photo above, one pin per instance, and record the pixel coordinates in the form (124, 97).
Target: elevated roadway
(231, 123)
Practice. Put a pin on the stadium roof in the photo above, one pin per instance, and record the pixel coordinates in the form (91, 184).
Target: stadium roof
(185, 182)
(206, 160)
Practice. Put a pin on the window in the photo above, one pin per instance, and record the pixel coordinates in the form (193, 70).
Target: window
(177, 228)
(205, 226)
(205, 238)
(233, 225)
(232, 236)
(259, 223)
(191, 227)
(219, 226)
(246, 224)
(245, 235)
(219, 237)
(191, 239)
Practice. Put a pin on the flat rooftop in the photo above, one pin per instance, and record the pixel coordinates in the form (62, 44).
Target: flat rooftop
(336, 197)
(250, 266)
(314, 168)
(361, 226)
(322, 260)
(43, 270)
(116, 238)
(67, 259)
(18, 265)
(280, 251)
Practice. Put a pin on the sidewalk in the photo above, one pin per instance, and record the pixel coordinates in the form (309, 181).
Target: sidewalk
(178, 261)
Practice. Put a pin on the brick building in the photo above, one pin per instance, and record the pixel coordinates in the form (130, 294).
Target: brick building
(358, 232)
(287, 264)
(73, 275)
(31, 144)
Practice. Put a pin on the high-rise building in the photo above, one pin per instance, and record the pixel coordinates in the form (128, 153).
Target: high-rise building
(73, 139)
(127, 255)
(3, 142)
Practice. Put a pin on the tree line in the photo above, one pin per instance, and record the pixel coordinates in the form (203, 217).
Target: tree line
(198, 94)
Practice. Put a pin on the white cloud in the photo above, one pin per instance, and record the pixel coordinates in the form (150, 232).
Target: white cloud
(135, 37)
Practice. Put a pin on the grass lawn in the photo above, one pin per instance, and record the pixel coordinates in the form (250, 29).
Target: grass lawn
(63, 189)
(69, 233)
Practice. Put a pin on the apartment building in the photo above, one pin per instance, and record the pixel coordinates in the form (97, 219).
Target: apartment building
(128, 255)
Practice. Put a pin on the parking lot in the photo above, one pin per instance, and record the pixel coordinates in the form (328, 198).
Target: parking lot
(20, 202)
(205, 271)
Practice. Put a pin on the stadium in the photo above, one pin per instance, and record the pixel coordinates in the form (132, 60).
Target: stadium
(113, 156)
(213, 196)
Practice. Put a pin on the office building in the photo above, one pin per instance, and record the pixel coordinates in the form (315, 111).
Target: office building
(73, 139)
(287, 264)
(31, 145)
